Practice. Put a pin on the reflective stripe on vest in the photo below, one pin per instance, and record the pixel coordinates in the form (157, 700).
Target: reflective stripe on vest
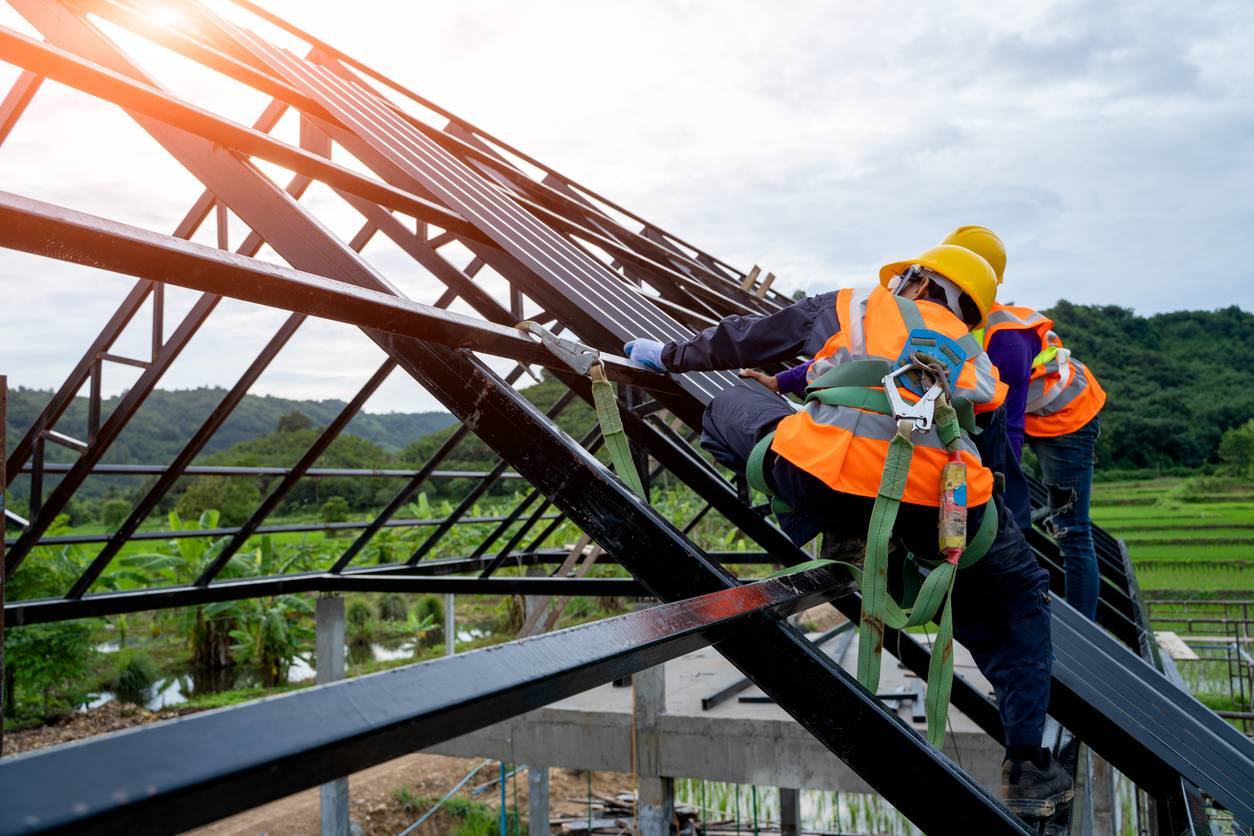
(1015, 318)
(1063, 395)
(978, 382)
(846, 447)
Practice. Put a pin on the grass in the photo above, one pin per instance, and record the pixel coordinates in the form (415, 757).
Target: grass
(235, 696)
(1187, 551)
(459, 816)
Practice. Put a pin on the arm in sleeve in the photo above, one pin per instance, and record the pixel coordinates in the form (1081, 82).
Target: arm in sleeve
(747, 341)
(1012, 353)
(793, 381)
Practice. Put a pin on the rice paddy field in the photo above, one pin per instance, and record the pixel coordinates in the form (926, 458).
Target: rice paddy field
(1191, 537)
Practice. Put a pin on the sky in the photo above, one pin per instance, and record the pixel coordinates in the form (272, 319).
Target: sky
(1111, 145)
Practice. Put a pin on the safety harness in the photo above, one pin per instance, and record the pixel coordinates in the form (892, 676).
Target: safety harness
(925, 367)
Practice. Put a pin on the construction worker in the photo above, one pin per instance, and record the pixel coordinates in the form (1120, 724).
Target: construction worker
(1063, 424)
(826, 462)
(1054, 400)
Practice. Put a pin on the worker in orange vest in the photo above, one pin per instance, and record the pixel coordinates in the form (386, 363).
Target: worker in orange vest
(1054, 400)
(826, 462)
(1063, 424)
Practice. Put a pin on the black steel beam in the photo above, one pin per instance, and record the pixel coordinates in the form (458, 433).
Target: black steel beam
(481, 138)
(152, 103)
(169, 476)
(679, 458)
(281, 528)
(816, 692)
(14, 104)
(54, 468)
(203, 767)
(127, 406)
(44, 610)
(285, 485)
(44, 229)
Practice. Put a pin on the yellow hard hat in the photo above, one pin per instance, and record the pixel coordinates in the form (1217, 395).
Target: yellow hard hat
(982, 241)
(965, 268)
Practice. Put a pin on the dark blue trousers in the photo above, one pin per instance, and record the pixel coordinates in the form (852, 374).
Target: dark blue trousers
(1067, 466)
(1001, 604)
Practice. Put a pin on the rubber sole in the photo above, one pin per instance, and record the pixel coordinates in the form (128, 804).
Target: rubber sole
(1039, 808)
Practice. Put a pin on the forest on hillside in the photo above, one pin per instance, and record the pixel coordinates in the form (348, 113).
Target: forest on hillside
(1176, 383)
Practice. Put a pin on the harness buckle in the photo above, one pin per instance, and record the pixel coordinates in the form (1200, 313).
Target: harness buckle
(578, 356)
(920, 414)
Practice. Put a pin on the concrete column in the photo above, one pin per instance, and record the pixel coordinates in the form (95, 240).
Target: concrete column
(789, 812)
(537, 799)
(450, 625)
(330, 648)
(656, 805)
(1102, 786)
(531, 603)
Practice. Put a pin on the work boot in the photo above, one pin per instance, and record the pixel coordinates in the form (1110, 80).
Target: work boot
(845, 550)
(1033, 787)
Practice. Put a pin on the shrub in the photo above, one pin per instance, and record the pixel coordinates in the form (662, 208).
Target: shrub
(134, 672)
(115, 512)
(432, 608)
(48, 662)
(1236, 449)
(358, 616)
(392, 607)
(294, 421)
(334, 510)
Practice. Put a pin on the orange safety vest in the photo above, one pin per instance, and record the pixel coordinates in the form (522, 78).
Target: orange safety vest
(846, 447)
(1063, 395)
(1015, 318)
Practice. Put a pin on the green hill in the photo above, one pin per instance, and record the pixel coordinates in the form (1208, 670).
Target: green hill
(1174, 382)
(169, 417)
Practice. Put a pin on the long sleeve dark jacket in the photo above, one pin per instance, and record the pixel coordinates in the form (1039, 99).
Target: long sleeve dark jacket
(748, 341)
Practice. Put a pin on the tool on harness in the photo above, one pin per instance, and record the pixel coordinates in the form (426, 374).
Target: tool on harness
(852, 384)
(587, 362)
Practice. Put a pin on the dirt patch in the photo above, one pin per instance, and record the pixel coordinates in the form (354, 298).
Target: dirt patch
(109, 717)
(372, 801)
(373, 804)
(821, 618)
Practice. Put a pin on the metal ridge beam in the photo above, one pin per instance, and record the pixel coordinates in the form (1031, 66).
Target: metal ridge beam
(103, 83)
(41, 228)
(254, 753)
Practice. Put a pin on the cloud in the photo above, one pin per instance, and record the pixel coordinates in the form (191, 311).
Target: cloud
(1112, 146)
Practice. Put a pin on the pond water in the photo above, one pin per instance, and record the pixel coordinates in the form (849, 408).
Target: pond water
(174, 690)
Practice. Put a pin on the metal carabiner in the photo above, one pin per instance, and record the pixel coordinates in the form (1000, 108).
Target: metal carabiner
(578, 356)
(920, 413)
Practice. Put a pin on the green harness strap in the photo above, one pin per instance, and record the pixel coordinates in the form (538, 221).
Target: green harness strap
(852, 385)
(612, 432)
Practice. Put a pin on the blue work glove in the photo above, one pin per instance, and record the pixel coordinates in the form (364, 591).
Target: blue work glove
(647, 353)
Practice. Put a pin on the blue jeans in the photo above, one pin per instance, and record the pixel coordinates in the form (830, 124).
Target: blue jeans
(1067, 467)
(1001, 603)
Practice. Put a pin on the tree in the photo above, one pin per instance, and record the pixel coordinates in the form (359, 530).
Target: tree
(46, 661)
(293, 421)
(334, 510)
(115, 512)
(232, 497)
(1236, 449)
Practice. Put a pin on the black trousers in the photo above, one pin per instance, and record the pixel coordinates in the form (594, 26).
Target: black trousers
(1001, 604)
